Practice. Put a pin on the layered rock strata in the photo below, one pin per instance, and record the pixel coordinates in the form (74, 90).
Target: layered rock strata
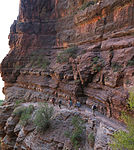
(21, 135)
(79, 49)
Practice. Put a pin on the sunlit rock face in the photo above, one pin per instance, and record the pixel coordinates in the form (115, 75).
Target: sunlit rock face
(72, 48)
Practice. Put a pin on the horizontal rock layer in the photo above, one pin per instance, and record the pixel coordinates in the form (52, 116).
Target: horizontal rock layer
(78, 49)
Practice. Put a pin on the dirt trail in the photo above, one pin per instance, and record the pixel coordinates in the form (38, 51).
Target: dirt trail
(87, 113)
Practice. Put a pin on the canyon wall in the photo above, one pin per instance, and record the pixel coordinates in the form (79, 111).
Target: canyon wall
(72, 48)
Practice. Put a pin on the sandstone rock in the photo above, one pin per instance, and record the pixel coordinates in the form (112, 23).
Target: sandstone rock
(99, 71)
(103, 137)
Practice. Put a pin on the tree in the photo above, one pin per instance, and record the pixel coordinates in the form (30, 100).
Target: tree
(122, 140)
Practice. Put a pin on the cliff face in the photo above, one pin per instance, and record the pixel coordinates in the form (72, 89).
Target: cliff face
(103, 64)
(68, 48)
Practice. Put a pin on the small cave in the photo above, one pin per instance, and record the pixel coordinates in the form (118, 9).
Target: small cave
(133, 74)
(119, 81)
(89, 80)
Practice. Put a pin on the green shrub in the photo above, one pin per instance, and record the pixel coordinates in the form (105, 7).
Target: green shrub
(43, 117)
(124, 140)
(121, 139)
(76, 135)
(24, 113)
(1, 102)
(45, 64)
(87, 4)
(17, 67)
(97, 64)
(116, 66)
(91, 139)
(95, 60)
(130, 62)
(19, 110)
(41, 62)
(0, 142)
(37, 59)
(128, 81)
(66, 54)
(97, 68)
(131, 101)
(18, 102)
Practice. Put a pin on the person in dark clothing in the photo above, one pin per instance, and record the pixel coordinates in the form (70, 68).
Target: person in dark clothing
(56, 94)
(93, 124)
(70, 103)
(78, 105)
(94, 107)
(53, 101)
(60, 102)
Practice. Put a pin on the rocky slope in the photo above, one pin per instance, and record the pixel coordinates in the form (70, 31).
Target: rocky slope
(22, 134)
(71, 48)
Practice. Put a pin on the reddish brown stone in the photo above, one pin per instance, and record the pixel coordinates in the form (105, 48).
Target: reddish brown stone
(102, 70)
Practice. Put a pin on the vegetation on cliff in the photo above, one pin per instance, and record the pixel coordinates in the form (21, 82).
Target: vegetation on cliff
(37, 60)
(76, 134)
(66, 54)
(39, 67)
(24, 113)
(91, 139)
(131, 62)
(87, 4)
(97, 63)
(43, 117)
(121, 139)
(1, 102)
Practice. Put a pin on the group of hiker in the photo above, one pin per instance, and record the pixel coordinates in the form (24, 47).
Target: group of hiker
(59, 102)
(70, 103)
(77, 104)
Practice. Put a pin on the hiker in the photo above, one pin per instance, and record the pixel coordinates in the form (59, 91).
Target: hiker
(53, 101)
(60, 102)
(93, 124)
(94, 107)
(70, 103)
(56, 94)
(102, 110)
(78, 104)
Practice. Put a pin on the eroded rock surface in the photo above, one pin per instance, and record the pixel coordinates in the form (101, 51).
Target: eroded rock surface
(73, 48)
(20, 136)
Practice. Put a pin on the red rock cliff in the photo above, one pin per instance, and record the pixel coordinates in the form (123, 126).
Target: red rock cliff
(68, 48)
(78, 49)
